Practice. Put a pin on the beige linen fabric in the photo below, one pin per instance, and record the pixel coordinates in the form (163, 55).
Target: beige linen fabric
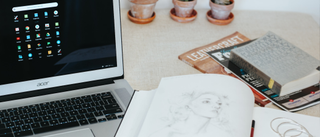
(151, 50)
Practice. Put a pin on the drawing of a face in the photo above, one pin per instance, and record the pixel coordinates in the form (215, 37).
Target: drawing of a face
(206, 105)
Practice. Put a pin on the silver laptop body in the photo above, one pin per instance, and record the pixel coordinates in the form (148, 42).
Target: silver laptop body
(56, 51)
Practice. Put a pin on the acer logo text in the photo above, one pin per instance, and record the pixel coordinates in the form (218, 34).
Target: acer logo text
(42, 84)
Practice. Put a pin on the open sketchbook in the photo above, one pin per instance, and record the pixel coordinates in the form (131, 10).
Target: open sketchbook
(202, 105)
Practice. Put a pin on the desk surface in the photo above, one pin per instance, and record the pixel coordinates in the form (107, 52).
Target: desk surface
(151, 51)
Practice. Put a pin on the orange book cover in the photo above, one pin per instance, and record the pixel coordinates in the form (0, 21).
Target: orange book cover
(199, 59)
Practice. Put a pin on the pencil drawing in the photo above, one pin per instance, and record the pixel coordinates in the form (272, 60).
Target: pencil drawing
(196, 114)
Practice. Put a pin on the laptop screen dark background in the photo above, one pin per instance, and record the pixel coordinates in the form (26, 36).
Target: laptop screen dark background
(75, 36)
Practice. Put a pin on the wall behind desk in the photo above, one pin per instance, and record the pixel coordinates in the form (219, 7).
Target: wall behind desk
(311, 7)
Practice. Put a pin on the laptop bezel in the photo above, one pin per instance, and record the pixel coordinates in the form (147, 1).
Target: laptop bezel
(71, 81)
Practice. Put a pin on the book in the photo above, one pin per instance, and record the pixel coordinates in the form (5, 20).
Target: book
(292, 102)
(202, 105)
(277, 63)
(198, 59)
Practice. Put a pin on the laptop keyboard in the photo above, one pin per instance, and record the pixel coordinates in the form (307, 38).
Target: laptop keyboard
(60, 114)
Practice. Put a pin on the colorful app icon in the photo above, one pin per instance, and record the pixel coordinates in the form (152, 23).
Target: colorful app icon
(26, 16)
(55, 12)
(59, 51)
(58, 42)
(16, 17)
(36, 15)
(19, 47)
(57, 33)
(30, 55)
(20, 56)
(49, 52)
(45, 13)
(39, 45)
(27, 28)
(18, 38)
(29, 46)
(47, 25)
(37, 26)
(48, 43)
(17, 29)
(38, 35)
(57, 24)
(28, 37)
(48, 34)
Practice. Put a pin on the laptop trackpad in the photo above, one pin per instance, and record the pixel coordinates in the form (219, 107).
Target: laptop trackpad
(77, 133)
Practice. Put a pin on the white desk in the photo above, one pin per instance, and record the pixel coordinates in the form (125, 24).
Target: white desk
(151, 51)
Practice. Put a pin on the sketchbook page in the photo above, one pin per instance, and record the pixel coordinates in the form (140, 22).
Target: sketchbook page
(202, 105)
(136, 112)
(264, 116)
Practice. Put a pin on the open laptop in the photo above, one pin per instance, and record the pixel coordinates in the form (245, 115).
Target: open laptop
(61, 68)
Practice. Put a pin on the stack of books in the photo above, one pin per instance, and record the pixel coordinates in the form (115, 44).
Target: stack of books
(274, 68)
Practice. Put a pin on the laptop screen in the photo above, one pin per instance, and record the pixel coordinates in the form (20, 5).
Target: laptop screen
(58, 40)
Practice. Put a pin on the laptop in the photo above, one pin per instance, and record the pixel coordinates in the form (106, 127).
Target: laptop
(61, 68)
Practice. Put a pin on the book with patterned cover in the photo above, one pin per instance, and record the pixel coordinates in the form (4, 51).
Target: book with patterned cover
(280, 65)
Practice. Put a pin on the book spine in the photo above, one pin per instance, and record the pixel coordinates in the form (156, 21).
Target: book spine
(256, 73)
